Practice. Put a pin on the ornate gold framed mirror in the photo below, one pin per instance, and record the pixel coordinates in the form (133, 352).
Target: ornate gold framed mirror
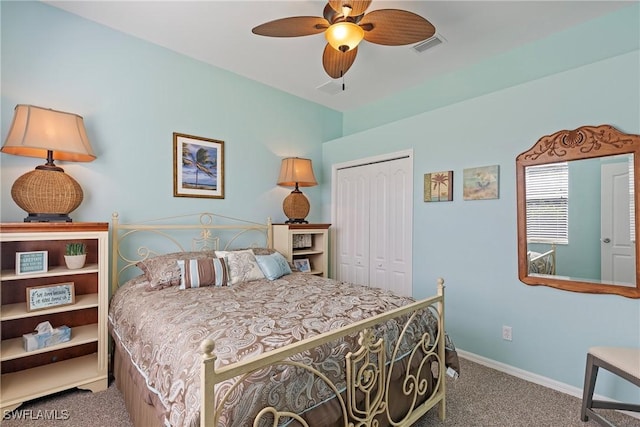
(577, 216)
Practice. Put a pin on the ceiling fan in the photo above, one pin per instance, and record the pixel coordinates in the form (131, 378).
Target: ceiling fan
(345, 24)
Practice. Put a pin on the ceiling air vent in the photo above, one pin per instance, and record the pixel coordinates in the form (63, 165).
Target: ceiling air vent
(428, 43)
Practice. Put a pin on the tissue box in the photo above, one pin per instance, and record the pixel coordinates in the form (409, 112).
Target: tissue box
(35, 341)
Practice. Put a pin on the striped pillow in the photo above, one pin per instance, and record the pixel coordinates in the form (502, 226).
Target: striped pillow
(197, 273)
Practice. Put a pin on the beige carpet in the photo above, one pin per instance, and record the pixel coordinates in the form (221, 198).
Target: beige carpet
(480, 397)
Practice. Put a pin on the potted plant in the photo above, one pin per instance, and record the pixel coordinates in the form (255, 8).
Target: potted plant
(75, 255)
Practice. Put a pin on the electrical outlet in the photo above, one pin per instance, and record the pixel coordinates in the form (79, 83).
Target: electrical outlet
(507, 333)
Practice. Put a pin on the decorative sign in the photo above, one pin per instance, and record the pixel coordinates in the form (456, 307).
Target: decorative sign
(31, 262)
(47, 296)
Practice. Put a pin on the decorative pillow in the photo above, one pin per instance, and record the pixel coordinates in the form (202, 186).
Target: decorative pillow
(243, 266)
(263, 251)
(197, 273)
(162, 271)
(273, 266)
(269, 251)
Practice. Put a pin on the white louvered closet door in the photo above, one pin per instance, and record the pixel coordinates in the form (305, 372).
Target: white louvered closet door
(352, 225)
(374, 225)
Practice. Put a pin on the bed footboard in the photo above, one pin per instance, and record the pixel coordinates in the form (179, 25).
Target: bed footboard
(365, 395)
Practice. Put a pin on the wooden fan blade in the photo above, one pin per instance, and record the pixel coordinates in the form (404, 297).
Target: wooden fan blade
(295, 26)
(394, 27)
(337, 63)
(357, 6)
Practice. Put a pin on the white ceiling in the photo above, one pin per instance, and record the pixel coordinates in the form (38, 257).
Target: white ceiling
(219, 33)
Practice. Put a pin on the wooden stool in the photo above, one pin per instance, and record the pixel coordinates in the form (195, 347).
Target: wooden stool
(621, 361)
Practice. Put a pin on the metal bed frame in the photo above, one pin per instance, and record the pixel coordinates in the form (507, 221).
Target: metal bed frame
(368, 374)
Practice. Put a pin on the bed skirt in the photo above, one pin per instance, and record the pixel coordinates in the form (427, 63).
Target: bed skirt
(137, 398)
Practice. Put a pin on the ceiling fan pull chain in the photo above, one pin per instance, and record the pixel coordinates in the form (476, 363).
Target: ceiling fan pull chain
(342, 75)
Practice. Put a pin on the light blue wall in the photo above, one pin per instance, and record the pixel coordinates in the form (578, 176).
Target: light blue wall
(133, 95)
(472, 244)
(611, 35)
(581, 257)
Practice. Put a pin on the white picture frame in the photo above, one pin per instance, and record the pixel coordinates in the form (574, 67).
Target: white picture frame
(302, 264)
(32, 262)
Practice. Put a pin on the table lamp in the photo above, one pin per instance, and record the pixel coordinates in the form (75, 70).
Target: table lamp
(297, 172)
(47, 194)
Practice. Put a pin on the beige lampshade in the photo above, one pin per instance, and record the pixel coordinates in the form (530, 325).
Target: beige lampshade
(36, 130)
(296, 172)
(344, 36)
(47, 193)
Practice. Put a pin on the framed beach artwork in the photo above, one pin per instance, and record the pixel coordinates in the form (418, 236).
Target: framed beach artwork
(481, 183)
(198, 167)
(438, 186)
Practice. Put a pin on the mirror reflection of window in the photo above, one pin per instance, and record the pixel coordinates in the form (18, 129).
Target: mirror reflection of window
(547, 203)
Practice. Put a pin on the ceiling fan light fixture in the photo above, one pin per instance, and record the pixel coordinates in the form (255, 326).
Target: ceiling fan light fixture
(344, 36)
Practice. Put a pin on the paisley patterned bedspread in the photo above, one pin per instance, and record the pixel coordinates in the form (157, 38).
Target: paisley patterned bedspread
(161, 331)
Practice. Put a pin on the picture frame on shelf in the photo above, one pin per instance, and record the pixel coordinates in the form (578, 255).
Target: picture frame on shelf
(302, 264)
(198, 166)
(49, 296)
(32, 262)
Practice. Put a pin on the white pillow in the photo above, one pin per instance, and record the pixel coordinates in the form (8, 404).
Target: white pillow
(243, 266)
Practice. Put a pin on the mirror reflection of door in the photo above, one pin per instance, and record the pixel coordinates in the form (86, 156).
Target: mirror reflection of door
(617, 247)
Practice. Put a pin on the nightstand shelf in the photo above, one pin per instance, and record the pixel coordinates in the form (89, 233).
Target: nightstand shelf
(82, 372)
(304, 241)
(81, 361)
(53, 272)
(19, 310)
(13, 348)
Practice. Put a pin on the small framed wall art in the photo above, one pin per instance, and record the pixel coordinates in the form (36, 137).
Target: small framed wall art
(481, 183)
(32, 262)
(198, 167)
(438, 186)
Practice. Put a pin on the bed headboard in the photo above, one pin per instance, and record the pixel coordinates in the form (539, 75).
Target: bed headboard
(542, 263)
(135, 242)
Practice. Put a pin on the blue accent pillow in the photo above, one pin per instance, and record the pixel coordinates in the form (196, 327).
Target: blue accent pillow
(273, 266)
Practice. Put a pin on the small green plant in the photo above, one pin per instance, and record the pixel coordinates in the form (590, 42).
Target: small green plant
(75, 249)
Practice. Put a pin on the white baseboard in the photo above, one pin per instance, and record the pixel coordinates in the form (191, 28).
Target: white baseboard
(534, 378)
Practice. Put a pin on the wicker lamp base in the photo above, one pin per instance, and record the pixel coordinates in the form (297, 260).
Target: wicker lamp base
(296, 207)
(47, 195)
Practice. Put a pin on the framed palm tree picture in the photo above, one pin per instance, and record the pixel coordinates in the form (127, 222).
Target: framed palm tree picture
(438, 186)
(198, 166)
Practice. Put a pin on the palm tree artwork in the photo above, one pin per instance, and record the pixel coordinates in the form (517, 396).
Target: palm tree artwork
(438, 186)
(199, 167)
